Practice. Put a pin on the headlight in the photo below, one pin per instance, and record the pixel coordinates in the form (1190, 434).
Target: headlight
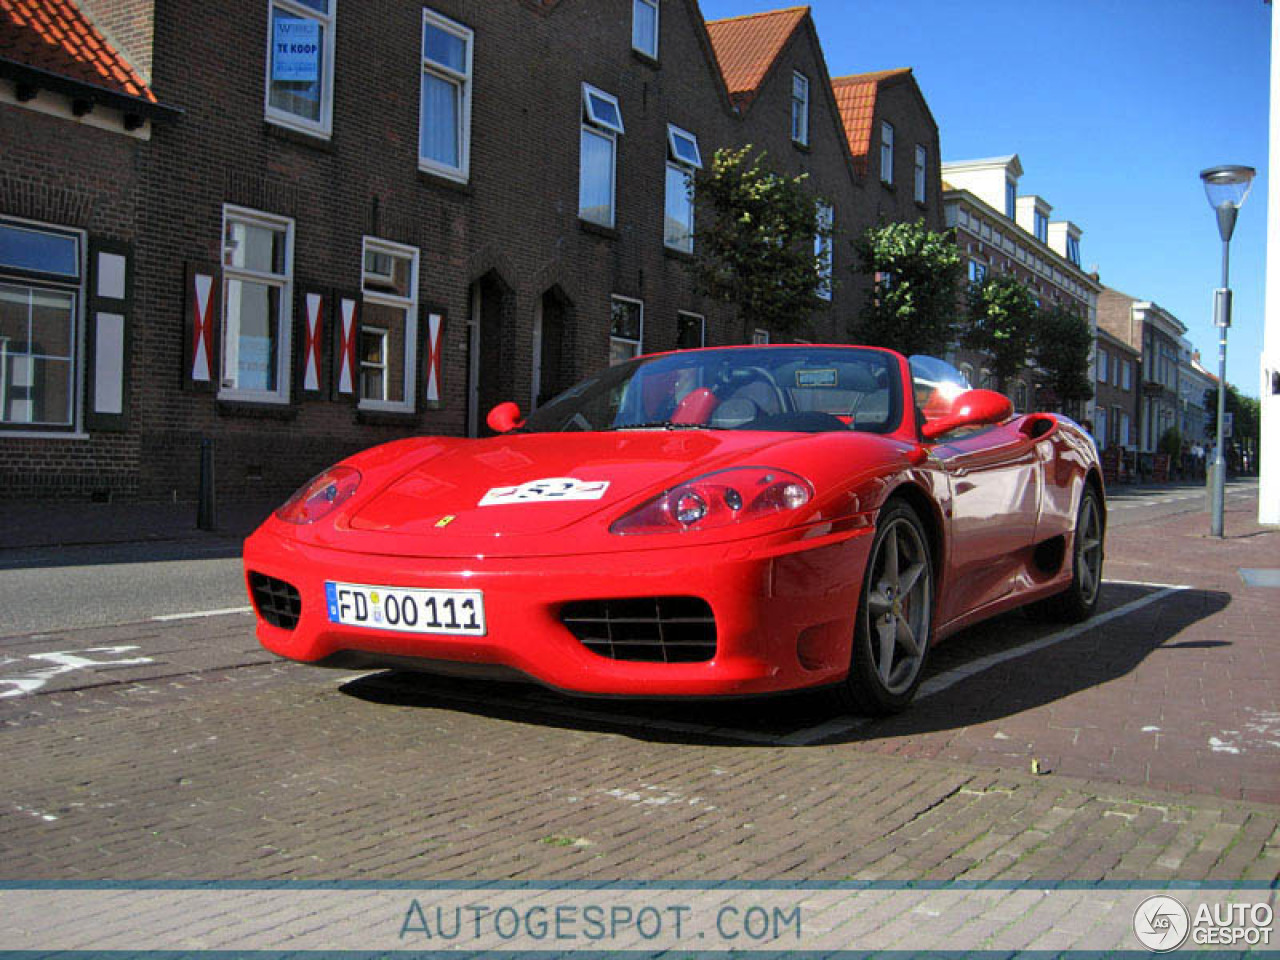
(321, 496)
(718, 499)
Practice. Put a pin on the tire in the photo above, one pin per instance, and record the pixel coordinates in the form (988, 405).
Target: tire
(899, 565)
(1079, 601)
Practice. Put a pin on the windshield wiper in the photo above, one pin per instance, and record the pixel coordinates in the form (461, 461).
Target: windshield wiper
(665, 425)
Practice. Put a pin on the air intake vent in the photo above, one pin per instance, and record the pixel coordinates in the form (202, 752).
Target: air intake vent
(278, 603)
(649, 629)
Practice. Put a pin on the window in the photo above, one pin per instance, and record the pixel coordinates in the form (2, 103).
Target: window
(691, 330)
(1102, 365)
(683, 158)
(760, 336)
(1073, 249)
(300, 65)
(601, 125)
(1100, 428)
(388, 340)
(1126, 376)
(922, 167)
(800, 109)
(977, 271)
(40, 291)
(1020, 397)
(444, 132)
(1010, 199)
(257, 281)
(1042, 227)
(644, 27)
(626, 329)
(886, 152)
(822, 248)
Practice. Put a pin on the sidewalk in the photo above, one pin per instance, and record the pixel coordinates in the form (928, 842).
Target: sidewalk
(34, 524)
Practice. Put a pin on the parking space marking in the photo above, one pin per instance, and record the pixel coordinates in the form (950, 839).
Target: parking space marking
(196, 615)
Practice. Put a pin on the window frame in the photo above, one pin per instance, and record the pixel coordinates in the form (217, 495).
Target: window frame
(702, 328)
(638, 343)
(683, 166)
(596, 126)
(385, 335)
(462, 172)
(760, 337)
(655, 6)
(284, 317)
(800, 109)
(921, 173)
(1102, 363)
(887, 145)
(283, 118)
(77, 287)
(410, 305)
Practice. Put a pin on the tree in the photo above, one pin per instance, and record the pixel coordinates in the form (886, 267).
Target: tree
(1246, 417)
(1062, 346)
(756, 248)
(916, 276)
(1000, 323)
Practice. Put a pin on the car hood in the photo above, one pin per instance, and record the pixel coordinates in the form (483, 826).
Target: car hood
(531, 485)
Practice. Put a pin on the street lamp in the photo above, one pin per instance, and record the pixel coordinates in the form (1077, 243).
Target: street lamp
(1226, 187)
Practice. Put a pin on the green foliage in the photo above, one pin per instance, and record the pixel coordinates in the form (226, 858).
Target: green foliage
(1246, 420)
(913, 308)
(1170, 442)
(754, 244)
(1001, 324)
(1062, 346)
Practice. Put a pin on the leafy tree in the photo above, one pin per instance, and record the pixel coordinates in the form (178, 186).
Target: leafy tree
(1001, 324)
(1062, 345)
(916, 275)
(754, 246)
(1246, 419)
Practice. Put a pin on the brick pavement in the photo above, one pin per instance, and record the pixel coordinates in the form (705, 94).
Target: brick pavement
(272, 770)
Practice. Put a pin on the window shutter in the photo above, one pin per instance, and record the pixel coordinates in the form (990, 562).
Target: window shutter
(344, 383)
(110, 333)
(431, 361)
(202, 328)
(311, 339)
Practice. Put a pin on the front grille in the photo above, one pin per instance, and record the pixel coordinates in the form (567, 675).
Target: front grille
(278, 603)
(650, 629)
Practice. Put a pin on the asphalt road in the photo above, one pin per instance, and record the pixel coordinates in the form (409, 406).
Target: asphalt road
(61, 588)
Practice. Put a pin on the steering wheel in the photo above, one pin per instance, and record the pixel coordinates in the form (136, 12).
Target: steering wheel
(731, 381)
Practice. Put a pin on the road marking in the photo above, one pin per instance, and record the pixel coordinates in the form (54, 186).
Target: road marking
(64, 661)
(203, 613)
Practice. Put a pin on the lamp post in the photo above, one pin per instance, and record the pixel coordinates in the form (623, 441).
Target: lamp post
(1226, 187)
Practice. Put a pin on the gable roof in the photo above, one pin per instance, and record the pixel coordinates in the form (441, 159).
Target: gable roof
(55, 37)
(746, 47)
(856, 101)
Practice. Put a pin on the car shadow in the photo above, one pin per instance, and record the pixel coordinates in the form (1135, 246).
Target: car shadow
(1004, 666)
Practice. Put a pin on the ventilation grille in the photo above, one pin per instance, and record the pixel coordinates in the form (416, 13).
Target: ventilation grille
(649, 629)
(278, 603)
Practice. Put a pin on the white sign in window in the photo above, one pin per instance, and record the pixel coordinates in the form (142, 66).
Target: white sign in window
(300, 50)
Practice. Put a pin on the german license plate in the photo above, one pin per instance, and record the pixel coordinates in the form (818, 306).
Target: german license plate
(408, 610)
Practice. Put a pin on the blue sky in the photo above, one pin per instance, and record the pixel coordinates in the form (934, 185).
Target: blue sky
(1114, 108)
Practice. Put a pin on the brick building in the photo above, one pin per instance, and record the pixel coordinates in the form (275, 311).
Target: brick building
(999, 230)
(372, 222)
(1116, 389)
(1157, 336)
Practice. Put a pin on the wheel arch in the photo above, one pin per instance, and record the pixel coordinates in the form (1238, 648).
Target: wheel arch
(931, 516)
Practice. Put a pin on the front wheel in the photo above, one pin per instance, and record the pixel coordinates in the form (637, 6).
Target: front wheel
(1080, 599)
(895, 616)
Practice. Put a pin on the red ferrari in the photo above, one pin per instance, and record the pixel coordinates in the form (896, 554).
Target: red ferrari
(725, 521)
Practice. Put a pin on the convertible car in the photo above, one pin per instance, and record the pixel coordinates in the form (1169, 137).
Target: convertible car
(723, 521)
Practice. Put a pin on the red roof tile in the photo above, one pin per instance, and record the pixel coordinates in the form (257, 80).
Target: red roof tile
(856, 101)
(747, 46)
(55, 36)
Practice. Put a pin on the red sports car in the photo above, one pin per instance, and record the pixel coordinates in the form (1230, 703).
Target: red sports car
(724, 521)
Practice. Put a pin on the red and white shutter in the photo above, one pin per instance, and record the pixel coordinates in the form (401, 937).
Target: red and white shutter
(435, 340)
(200, 356)
(313, 305)
(346, 327)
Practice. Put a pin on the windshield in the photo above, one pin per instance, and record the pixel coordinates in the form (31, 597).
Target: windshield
(793, 389)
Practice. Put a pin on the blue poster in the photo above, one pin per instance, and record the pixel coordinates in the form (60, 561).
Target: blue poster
(295, 50)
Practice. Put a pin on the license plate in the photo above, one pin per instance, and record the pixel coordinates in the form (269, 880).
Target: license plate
(407, 610)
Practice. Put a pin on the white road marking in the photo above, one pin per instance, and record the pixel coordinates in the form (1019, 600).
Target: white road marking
(203, 613)
(65, 661)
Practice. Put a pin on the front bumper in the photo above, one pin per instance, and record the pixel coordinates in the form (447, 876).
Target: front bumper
(784, 611)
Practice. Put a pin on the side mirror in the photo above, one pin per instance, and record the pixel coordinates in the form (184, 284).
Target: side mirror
(974, 408)
(504, 418)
